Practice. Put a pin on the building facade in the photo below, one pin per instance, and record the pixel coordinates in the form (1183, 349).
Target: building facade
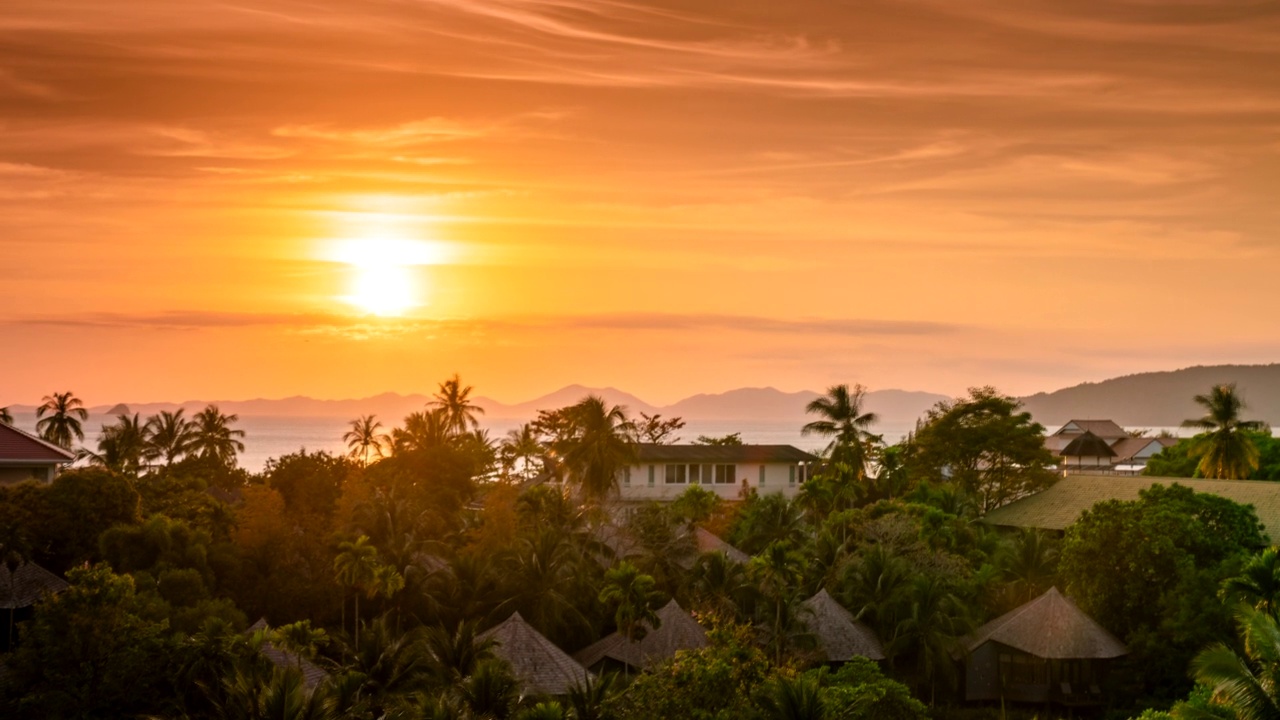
(663, 472)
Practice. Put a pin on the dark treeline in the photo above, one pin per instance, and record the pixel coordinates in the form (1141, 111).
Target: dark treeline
(382, 568)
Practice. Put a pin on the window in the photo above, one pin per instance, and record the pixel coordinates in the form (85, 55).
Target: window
(626, 478)
(726, 474)
(761, 476)
(650, 476)
(695, 474)
(677, 474)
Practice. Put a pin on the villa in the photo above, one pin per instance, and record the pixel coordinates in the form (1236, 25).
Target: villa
(1103, 445)
(24, 456)
(663, 472)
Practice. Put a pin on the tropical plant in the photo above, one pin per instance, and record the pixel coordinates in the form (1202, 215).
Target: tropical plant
(520, 450)
(1258, 584)
(454, 403)
(1225, 449)
(1032, 564)
(364, 437)
(356, 567)
(845, 423)
(600, 446)
(632, 595)
(777, 572)
(794, 698)
(422, 430)
(934, 619)
(65, 413)
(212, 436)
(1249, 684)
(169, 435)
(123, 446)
(6, 417)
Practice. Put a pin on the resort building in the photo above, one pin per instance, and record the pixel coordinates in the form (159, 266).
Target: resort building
(840, 637)
(24, 456)
(676, 631)
(663, 472)
(540, 666)
(20, 588)
(1103, 445)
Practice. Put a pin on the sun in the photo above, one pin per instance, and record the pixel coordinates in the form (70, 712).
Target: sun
(385, 281)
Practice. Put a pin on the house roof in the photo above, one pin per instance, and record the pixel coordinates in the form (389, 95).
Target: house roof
(1061, 504)
(1106, 429)
(746, 454)
(312, 675)
(1127, 448)
(1087, 445)
(677, 630)
(1049, 627)
(708, 542)
(840, 637)
(542, 667)
(18, 446)
(25, 584)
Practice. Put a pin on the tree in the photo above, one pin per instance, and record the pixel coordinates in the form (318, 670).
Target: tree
(356, 567)
(1248, 685)
(1258, 584)
(309, 482)
(845, 423)
(520, 451)
(65, 413)
(212, 436)
(653, 429)
(1225, 449)
(777, 572)
(422, 431)
(364, 437)
(730, 440)
(6, 417)
(986, 446)
(169, 435)
(124, 445)
(453, 401)
(633, 597)
(599, 446)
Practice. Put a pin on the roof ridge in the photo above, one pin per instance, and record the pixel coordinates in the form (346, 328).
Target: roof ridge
(31, 436)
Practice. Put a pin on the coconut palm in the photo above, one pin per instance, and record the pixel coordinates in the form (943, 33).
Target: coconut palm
(600, 446)
(212, 436)
(845, 423)
(934, 619)
(1225, 449)
(421, 430)
(453, 400)
(65, 413)
(170, 435)
(1248, 685)
(6, 417)
(123, 446)
(633, 595)
(795, 698)
(1032, 564)
(356, 567)
(520, 450)
(777, 572)
(364, 437)
(1258, 584)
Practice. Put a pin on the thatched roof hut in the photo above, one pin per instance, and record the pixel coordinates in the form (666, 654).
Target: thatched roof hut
(22, 586)
(677, 630)
(312, 675)
(1088, 445)
(840, 636)
(542, 667)
(707, 542)
(1046, 650)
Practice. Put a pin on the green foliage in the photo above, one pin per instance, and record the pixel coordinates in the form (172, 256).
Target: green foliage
(1149, 571)
(730, 440)
(309, 482)
(1248, 684)
(765, 519)
(858, 690)
(1226, 449)
(633, 598)
(843, 421)
(1180, 459)
(59, 524)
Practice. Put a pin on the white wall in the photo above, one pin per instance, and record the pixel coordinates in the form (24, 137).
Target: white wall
(776, 479)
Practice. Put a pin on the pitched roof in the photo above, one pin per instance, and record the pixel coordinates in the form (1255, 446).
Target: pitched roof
(312, 675)
(542, 667)
(21, 446)
(746, 454)
(1087, 445)
(1127, 448)
(1049, 627)
(708, 542)
(1061, 504)
(1106, 429)
(840, 636)
(26, 584)
(677, 630)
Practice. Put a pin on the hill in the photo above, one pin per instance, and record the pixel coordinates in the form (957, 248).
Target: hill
(1159, 399)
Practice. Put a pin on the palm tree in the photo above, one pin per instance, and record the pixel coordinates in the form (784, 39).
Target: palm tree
(364, 436)
(356, 567)
(123, 447)
(844, 422)
(795, 698)
(66, 412)
(1249, 685)
(422, 430)
(934, 619)
(600, 446)
(1032, 564)
(1258, 584)
(212, 436)
(6, 417)
(520, 449)
(453, 400)
(633, 595)
(777, 571)
(1225, 449)
(170, 435)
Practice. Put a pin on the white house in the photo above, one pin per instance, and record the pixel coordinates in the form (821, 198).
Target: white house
(24, 456)
(663, 472)
(1103, 444)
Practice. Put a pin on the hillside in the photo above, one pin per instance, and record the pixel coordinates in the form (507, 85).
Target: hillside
(1159, 399)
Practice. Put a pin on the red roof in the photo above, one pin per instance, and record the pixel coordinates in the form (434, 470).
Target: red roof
(19, 446)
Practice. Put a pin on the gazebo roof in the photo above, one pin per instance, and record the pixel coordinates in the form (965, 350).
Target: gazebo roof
(840, 636)
(1049, 627)
(1088, 445)
(677, 630)
(708, 542)
(541, 666)
(26, 584)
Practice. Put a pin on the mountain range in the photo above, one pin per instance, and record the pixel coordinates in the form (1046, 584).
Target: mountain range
(1145, 399)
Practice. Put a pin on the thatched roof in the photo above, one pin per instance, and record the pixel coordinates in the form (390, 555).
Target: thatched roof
(1107, 429)
(708, 542)
(1061, 504)
(840, 636)
(26, 584)
(1088, 445)
(312, 675)
(542, 667)
(1050, 627)
(677, 630)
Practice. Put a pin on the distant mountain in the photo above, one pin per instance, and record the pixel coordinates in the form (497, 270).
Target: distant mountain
(563, 397)
(895, 407)
(1159, 399)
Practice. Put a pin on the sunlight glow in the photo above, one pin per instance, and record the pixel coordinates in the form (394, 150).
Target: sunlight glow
(385, 282)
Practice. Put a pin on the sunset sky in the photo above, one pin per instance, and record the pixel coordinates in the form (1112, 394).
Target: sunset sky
(205, 199)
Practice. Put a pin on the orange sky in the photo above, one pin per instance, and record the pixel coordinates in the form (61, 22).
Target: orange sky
(667, 197)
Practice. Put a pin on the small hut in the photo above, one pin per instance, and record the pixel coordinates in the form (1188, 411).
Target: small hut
(1044, 651)
(541, 667)
(707, 542)
(677, 630)
(1088, 450)
(312, 675)
(840, 636)
(20, 588)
